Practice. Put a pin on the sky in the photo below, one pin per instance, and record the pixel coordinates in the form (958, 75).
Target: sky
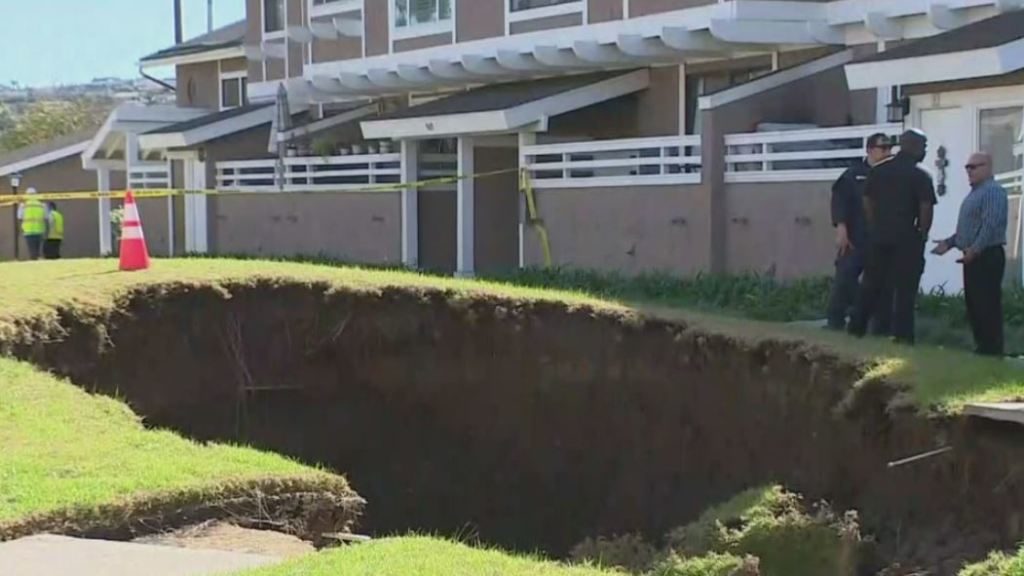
(49, 42)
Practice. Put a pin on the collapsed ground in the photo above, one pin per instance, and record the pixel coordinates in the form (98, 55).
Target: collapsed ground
(534, 419)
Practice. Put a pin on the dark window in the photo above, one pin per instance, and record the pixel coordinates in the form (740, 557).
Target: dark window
(517, 5)
(273, 15)
(232, 92)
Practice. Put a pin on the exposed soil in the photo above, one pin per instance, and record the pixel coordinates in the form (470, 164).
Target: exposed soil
(533, 425)
(228, 537)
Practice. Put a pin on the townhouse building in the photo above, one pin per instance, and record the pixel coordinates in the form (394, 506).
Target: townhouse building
(675, 135)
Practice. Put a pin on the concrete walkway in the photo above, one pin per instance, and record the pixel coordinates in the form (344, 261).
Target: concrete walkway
(49, 555)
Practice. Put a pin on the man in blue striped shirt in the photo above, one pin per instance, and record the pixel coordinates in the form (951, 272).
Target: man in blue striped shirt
(980, 235)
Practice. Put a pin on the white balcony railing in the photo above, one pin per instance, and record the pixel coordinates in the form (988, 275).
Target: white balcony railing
(1013, 182)
(149, 175)
(632, 162)
(334, 173)
(797, 155)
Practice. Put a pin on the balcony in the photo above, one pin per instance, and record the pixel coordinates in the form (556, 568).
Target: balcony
(355, 172)
(820, 154)
(605, 163)
(149, 175)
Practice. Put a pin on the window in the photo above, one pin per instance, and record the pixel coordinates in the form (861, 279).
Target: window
(517, 5)
(273, 15)
(233, 92)
(999, 132)
(410, 13)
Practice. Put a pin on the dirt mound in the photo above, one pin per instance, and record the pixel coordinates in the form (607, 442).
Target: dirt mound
(535, 425)
(215, 535)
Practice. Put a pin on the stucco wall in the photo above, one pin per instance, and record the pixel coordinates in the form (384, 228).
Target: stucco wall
(630, 230)
(437, 234)
(420, 42)
(645, 7)
(497, 211)
(782, 226)
(81, 221)
(362, 228)
(252, 36)
(340, 49)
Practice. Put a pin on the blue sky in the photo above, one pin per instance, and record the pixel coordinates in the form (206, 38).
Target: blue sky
(46, 42)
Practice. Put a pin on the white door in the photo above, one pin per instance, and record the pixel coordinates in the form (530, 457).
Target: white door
(952, 129)
(195, 208)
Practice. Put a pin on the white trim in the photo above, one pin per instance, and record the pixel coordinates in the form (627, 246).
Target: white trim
(576, 7)
(238, 75)
(465, 210)
(208, 132)
(208, 56)
(994, 61)
(509, 119)
(421, 30)
(410, 204)
(822, 175)
(103, 212)
(770, 82)
(337, 7)
(45, 158)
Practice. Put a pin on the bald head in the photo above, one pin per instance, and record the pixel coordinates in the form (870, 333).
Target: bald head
(914, 143)
(979, 167)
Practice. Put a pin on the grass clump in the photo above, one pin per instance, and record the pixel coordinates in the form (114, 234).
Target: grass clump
(997, 564)
(67, 453)
(422, 556)
(760, 532)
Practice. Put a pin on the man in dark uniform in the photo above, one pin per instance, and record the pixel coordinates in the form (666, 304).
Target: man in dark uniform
(899, 201)
(851, 234)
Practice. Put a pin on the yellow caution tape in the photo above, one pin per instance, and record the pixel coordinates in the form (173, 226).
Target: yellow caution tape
(526, 186)
(10, 199)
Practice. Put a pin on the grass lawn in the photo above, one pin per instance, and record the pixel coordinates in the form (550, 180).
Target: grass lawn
(421, 556)
(941, 379)
(66, 451)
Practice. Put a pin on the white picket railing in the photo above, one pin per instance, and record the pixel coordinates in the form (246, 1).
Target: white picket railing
(1013, 182)
(598, 163)
(317, 173)
(149, 175)
(798, 155)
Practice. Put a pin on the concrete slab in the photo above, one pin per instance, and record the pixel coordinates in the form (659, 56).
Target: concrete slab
(48, 555)
(1005, 411)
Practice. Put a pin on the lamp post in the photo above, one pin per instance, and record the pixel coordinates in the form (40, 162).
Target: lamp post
(15, 182)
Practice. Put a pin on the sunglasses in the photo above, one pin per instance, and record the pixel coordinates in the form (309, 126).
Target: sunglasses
(973, 166)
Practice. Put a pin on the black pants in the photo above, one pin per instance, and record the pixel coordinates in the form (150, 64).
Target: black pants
(890, 269)
(983, 292)
(845, 293)
(51, 249)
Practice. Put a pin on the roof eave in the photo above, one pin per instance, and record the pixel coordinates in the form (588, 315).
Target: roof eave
(945, 67)
(196, 57)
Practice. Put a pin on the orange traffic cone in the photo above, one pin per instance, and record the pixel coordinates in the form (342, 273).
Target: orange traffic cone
(134, 255)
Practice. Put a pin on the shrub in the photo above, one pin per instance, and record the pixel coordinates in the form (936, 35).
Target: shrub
(710, 565)
(997, 564)
(629, 552)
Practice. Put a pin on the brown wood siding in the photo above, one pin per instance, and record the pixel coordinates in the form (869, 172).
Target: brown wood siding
(253, 32)
(375, 21)
(477, 19)
(198, 85)
(234, 65)
(421, 42)
(275, 69)
(604, 10)
(563, 21)
(296, 52)
(340, 49)
(645, 7)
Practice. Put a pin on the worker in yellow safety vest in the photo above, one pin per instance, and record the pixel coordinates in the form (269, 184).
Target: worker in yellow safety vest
(34, 216)
(55, 235)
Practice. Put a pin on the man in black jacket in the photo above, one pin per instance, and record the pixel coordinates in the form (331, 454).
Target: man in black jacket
(851, 234)
(899, 203)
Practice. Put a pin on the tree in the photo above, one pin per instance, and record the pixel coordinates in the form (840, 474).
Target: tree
(46, 120)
